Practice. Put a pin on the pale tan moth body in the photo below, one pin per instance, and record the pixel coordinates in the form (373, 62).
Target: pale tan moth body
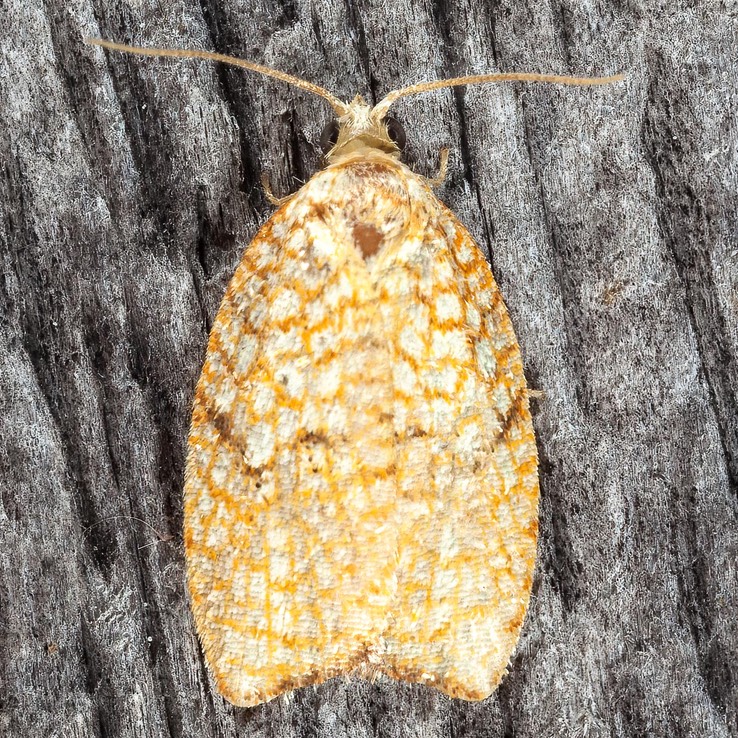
(361, 489)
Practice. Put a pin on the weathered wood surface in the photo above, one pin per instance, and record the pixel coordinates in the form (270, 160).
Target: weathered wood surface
(128, 190)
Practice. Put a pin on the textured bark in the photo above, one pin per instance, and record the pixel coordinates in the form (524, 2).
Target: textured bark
(128, 190)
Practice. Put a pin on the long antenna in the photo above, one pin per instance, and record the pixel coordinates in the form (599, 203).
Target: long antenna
(340, 107)
(380, 109)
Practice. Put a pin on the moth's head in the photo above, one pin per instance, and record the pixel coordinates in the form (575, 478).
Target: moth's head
(359, 129)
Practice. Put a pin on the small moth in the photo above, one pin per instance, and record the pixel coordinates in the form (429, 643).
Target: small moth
(361, 491)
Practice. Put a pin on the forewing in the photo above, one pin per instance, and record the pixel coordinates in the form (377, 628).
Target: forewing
(290, 558)
(467, 484)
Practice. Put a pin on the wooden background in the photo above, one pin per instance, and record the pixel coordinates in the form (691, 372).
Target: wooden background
(128, 190)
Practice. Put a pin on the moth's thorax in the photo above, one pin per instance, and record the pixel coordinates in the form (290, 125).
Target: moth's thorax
(361, 130)
(366, 200)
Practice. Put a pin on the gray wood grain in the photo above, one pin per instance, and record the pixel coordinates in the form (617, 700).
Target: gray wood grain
(128, 190)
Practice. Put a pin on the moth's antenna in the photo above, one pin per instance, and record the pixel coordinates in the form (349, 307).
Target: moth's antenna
(340, 107)
(380, 109)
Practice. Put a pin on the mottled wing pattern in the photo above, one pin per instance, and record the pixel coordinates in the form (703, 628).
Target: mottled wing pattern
(467, 493)
(287, 488)
(361, 484)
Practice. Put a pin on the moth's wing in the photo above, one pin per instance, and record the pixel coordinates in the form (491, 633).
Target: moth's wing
(290, 559)
(466, 464)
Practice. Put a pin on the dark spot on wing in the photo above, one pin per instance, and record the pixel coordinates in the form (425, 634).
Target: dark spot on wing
(368, 239)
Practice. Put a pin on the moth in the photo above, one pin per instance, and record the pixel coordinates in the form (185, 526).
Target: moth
(361, 489)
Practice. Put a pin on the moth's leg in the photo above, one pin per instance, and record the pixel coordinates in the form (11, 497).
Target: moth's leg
(273, 199)
(442, 170)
